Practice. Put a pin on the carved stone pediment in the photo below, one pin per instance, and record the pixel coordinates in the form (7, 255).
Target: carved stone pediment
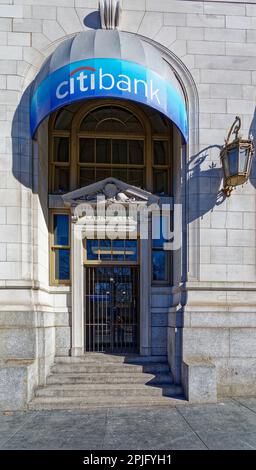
(107, 191)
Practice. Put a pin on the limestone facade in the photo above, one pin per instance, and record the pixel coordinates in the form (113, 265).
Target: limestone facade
(206, 321)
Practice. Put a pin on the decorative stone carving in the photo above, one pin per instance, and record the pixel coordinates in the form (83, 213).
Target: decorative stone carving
(110, 13)
(108, 191)
(74, 218)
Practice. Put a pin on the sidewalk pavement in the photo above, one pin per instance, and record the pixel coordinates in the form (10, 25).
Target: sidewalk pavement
(230, 424)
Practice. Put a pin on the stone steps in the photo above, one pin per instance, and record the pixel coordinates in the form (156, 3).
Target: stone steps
(101, 390)
(108, 378)
(106, 358)
(100, 380)
(151, 368)
(56, 403)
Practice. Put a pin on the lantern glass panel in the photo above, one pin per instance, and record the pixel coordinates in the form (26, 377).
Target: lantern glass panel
(225, 164)
(243, 159)
(233, 160)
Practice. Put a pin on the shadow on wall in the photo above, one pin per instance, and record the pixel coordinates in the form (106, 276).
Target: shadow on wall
(25, 162)
(206, 183)
(93, 20)
(22, 144)
(203, 184)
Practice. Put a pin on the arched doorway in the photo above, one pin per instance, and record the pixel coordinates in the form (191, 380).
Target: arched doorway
(61, 344)
(89, 143)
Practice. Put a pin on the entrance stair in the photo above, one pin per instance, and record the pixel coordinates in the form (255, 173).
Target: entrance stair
(99, 380)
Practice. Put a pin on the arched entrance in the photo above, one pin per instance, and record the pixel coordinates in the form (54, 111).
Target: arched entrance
(156, 176)
(94, 145)
(45, 295)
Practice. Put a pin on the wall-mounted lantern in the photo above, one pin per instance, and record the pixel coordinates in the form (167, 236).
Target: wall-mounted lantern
(236, 158)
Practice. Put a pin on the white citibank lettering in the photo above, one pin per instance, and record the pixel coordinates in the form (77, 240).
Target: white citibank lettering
(86, 82)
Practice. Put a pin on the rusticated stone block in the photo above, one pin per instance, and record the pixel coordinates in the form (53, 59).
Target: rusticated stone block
(17, 382)
(199, 380)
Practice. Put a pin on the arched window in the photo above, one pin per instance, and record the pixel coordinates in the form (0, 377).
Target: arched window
(112, 143)
(94, 141)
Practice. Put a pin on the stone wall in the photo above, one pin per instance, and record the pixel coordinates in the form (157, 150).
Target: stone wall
(216, 42)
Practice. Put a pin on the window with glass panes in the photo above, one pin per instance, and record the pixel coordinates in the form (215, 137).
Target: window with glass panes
(160, 256)
(60, 248)
(89, 143)
(161, 167)
(112, 144)
(106, 250)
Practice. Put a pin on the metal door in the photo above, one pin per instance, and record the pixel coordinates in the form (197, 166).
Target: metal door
(111, 309)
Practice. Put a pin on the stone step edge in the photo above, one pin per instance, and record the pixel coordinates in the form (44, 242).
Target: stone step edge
(114, 386)
(99, 357)
(127, 372)
(162, 391)
(49, 407)
(92, 396)
(70, 402)
(84, 375)
(109, 363)
(68, 399)
(135, 373)
(103, 369)
(120, 384)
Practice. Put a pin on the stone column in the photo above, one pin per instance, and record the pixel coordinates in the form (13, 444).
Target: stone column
(77, 348)
(145, 285)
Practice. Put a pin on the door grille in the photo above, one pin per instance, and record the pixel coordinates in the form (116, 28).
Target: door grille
(111, 309)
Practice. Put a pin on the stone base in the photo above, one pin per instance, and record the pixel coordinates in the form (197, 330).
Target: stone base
(18, 379)
(77, 351)
(236, 376)
(199, 380)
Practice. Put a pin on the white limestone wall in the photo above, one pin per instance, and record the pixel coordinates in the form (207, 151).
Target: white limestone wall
(216, 42)
(41, 230)
(160, 301)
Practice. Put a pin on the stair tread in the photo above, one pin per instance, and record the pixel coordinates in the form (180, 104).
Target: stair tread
(128, 371)
(102, 393)
(109, 363)
(107, 381)
(105, 358)
(104, 371)
(121, 369)
(114, 386)
(125, 379)
(80, 375)
(108, 401)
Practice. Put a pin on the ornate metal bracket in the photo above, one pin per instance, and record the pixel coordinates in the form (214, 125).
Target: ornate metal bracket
(234, 129)
(227, 190)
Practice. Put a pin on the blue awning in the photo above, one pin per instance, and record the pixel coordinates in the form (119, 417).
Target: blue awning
(107, 63)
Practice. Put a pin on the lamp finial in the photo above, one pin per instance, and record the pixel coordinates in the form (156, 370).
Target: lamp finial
(110, 13)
